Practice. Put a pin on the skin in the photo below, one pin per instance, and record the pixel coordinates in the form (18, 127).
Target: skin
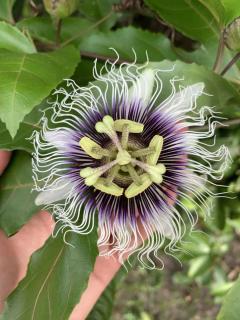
(17, 250)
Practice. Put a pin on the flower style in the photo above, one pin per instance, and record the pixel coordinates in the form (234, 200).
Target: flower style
(117, 150)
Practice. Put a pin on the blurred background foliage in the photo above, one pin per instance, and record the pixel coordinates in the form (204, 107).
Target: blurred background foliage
(42, 42)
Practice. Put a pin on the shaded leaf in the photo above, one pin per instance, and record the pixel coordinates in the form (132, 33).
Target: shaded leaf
(95, 10)
(230, 309)
(6, 10)
(42, 28)
(157, 45)
(21, 140)
(57, 276)
(84, 71)
(15, 192)
(30, 78)
(14, 40)
(199, 20)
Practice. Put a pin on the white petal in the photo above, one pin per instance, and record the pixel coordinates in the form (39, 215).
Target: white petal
(143, 88)
(190, 92)
(58, 138)
(167, 227)
(61, 191)
(184, 100)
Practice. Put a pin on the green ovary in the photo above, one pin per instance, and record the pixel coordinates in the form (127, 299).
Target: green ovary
(121, 162)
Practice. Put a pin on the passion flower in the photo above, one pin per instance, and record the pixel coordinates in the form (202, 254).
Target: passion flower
(118, 151)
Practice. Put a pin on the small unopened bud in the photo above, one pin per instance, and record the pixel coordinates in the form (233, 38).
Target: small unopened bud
(232, 35)
(60, 8)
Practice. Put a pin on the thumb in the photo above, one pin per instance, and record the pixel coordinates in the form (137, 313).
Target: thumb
(4, 159)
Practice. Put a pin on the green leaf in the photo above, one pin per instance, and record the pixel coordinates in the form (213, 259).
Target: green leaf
(21, 141)
(206, 54)
(15, 192)
(96, 10)
(14, 40)
(57, 276)
(198, 19)
(230, 309)
(232, 9)
(6, 10)
(220, 289)
(157, 45)
(84, 72)
(28, 79)
(221, 212)
(199, 265)
(42, 28)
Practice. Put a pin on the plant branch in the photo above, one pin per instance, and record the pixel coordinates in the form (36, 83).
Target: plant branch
(219, 55)
(230, 63)
(88, 29)
(58, 32)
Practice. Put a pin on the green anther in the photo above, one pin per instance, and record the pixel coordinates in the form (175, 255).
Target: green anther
(134, 189)
(86, 172)
(155, 144)
(134, 175)
(125, 136)
(105, 126)
(93, 149)
(142, 152)
(111, 188)
(123, 157)
(133, 127)
(121, 160)
(156, 172)
(91, 175)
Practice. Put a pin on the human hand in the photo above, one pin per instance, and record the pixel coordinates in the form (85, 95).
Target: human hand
(17, 250)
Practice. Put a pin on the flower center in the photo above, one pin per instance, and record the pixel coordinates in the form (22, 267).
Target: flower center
(139, 166)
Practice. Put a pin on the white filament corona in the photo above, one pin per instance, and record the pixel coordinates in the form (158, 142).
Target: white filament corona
(128, 82)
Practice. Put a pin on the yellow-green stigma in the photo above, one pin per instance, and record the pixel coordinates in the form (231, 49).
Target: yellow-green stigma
(125, 167)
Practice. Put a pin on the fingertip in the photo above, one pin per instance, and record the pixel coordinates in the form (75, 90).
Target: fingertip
(46, 219)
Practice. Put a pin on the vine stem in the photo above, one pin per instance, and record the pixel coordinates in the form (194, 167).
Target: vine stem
(58, 32)
(220, 52)
(88, 29)
(231, 63)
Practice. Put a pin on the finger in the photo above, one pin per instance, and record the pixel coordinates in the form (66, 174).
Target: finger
(8, 268)
(4, 159)
(104, 270)
(18, 249)
(30, 238)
